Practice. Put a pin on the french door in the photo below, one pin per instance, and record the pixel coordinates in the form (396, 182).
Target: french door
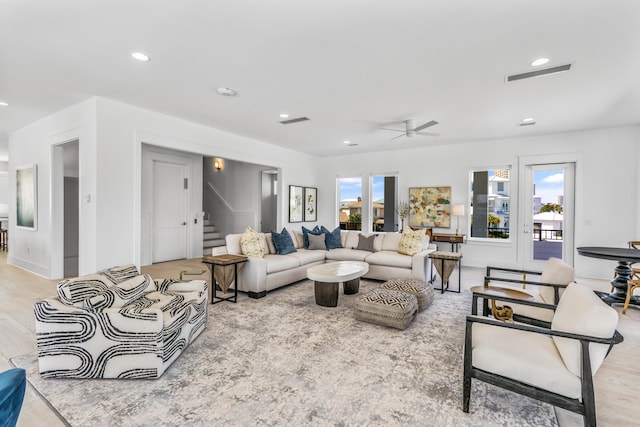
(547, 213)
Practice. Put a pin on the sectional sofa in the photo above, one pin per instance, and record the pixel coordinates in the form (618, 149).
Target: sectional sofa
(262, 274)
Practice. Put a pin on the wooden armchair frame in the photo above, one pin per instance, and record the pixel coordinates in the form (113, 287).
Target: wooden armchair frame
(586, 407)
(489, 279)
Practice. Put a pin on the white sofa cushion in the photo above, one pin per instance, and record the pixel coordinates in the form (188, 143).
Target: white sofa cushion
(269, 239)
(557, 272)
(344, 254)
(233, 244)
(277, 263)
(389, 258)
(528, 357)
(391, 241)
(307, 256)
(581, 311)
(351, 239)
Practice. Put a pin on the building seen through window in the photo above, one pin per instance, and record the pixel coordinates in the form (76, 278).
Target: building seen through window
(490, 203)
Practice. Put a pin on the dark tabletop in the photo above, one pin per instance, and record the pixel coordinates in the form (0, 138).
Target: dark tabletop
(616, 254)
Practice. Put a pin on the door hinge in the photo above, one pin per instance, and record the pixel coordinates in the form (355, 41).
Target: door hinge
(186, 183)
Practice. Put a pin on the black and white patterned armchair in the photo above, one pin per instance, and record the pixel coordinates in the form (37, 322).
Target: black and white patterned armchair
(118, 324)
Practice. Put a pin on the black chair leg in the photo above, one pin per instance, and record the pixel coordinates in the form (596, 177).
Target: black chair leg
(466, 382)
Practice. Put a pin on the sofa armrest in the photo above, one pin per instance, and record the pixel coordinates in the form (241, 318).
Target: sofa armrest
(253, 275)
(421, 265)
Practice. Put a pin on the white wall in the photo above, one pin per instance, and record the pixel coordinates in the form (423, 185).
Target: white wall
(110, 138)
(607, 190)
(41, 250)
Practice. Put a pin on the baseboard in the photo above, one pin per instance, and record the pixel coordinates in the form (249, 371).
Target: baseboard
(256, 295)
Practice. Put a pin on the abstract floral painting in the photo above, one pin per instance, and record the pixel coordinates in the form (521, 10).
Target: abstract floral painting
(430, 207)
(295, 203)
(310, 204)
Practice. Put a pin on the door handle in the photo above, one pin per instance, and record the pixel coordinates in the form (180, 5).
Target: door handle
(184, 223)
(526, 229)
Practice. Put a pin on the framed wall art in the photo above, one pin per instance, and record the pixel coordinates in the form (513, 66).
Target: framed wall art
(310, 204)
(430, 207)
(27, 197)
(296, 203)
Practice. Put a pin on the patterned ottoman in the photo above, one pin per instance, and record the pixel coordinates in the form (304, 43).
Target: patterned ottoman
(387, 308)
(421, 289)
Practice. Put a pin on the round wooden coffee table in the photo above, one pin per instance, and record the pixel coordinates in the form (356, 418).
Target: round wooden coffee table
(327, 278)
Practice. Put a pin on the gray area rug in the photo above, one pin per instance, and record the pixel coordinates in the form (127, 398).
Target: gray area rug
(283, 360)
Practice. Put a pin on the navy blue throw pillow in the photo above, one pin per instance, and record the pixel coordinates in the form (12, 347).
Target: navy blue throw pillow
(332, 238)
(283, 243)
(305, 235)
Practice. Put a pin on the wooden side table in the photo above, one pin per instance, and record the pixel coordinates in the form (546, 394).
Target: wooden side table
(224, 270)
(454, 239)
(445, 264)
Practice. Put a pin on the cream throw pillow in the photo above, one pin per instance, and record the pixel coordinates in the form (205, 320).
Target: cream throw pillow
(252, 243)
(411, 241)
(557, 272)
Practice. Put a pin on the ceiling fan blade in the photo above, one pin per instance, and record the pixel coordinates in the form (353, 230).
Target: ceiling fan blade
(395, 130)
(396, 137)
(426, 125)
(428, 133)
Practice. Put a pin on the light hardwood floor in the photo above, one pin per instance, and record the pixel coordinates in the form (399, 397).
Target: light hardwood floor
(617, 383)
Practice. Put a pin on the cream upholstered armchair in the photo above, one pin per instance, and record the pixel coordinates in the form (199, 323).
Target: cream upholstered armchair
(554, 365)
(549, 286)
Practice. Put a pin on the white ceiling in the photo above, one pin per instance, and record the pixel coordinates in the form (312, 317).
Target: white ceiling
(351, 66)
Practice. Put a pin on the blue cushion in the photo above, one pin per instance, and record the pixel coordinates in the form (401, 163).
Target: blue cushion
(305, 235)
(283, 242)
(13, 384)
(332, 238)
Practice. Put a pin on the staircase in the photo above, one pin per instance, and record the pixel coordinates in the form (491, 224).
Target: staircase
(211, 238)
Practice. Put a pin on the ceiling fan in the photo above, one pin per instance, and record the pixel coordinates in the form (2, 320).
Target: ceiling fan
(411, 129)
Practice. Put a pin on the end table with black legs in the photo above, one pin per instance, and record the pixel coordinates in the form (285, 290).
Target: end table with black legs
(445, 263)
(224, 270)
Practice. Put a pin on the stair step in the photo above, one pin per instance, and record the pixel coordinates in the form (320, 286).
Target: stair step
(207, 244)
(209, 228)
(207, 222)
(209, 236)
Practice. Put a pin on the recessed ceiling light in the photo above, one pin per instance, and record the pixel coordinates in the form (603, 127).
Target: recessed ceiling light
(347, 142)
(141, 56)
(540, 61)
(528, 120)
(284, 115)
(226, 91)
(4, 104)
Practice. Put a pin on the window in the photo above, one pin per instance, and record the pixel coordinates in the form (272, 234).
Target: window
(490, 203)
(383, 203)
(350, 203)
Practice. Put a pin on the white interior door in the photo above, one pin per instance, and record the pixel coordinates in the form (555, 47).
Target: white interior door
(170, 201)
(547, 231)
